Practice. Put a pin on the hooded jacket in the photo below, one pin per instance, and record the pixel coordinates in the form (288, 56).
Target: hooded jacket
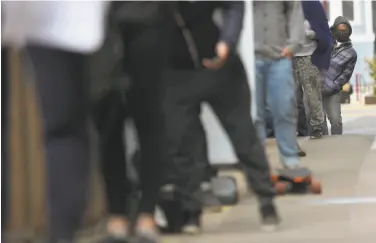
(314, 13)
(342, 64)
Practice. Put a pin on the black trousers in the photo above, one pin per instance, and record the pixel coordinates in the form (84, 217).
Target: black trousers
(4, 136)
(302, 124)
(227, 91)
(145, 58)
(195, 142)
(61, 85)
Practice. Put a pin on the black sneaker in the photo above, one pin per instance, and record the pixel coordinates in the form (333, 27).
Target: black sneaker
(269, 218)
(316, 135)
(192, 223)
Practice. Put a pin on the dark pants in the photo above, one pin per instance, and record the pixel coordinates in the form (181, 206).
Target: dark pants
(4, 136)
(227, 91)
(302, 123)
(145, 58)
(197, 144)
(61, 86)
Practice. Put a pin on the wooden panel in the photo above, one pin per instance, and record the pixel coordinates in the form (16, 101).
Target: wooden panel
(17, 169)
(26, 161)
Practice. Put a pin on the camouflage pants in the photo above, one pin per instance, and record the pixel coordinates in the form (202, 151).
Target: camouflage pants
(309, 77)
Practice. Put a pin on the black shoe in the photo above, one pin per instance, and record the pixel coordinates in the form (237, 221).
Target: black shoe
(301, 152)
(192, 223)
(316, 135)
(269, 217)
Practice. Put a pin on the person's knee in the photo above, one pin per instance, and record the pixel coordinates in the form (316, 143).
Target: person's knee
(285, 108)
(335, 118)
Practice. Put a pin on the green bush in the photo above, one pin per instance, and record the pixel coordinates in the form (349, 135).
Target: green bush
(372, 71)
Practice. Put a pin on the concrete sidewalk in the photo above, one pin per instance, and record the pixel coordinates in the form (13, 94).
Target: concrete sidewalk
(345, 212)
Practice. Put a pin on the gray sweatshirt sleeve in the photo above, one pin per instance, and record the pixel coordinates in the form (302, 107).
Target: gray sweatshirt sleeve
(295, 25)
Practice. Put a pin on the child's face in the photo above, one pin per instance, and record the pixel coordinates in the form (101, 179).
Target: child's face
(341, 32)
(342, 27)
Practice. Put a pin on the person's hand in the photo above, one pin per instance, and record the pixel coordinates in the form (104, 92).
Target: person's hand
(287, 53)
(346, 87)
(222, 50)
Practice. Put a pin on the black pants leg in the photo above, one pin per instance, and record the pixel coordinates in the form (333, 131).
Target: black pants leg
(302, 124)
(109, 116)
(147, 58)
(144, 61)
(61, 86)
(232, 104)
(196, 142)
(4, 136)
(185, 134)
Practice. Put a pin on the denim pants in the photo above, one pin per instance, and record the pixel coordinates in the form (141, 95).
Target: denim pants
(332, 110)
(275, 89)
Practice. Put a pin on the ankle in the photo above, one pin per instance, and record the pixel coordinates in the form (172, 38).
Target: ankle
(117, 226)
(146, 221)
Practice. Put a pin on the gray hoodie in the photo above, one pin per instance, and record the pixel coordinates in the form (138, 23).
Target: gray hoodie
(278, 25)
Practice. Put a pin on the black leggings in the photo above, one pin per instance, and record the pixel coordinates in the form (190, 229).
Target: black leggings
(61, 86)
(144, 60)
(4, 136)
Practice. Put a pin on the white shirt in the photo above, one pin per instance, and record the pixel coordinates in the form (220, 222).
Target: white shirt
(77, 26)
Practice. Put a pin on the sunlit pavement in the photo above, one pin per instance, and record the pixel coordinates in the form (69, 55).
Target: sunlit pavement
(345, 212)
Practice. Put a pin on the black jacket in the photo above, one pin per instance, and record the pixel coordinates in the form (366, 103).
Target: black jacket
(198, 17)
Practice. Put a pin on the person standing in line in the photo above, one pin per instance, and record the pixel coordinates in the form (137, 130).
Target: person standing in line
(341, 68)
(144, 39)
(278, 35)
(206, 68)
(309, 62)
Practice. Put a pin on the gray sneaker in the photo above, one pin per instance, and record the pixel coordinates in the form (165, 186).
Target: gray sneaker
(269, 218)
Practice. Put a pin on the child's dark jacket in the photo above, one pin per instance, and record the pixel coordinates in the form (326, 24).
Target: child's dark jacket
(341, 68)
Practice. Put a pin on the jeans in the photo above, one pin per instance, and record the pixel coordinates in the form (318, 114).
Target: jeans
(275, 88)
(332, 109)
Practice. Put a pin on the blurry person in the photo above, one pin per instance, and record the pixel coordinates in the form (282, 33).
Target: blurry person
(278, 35)
(341, 68)
(142, 31)
(307, 66)
(206, 68)
(58, 48)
